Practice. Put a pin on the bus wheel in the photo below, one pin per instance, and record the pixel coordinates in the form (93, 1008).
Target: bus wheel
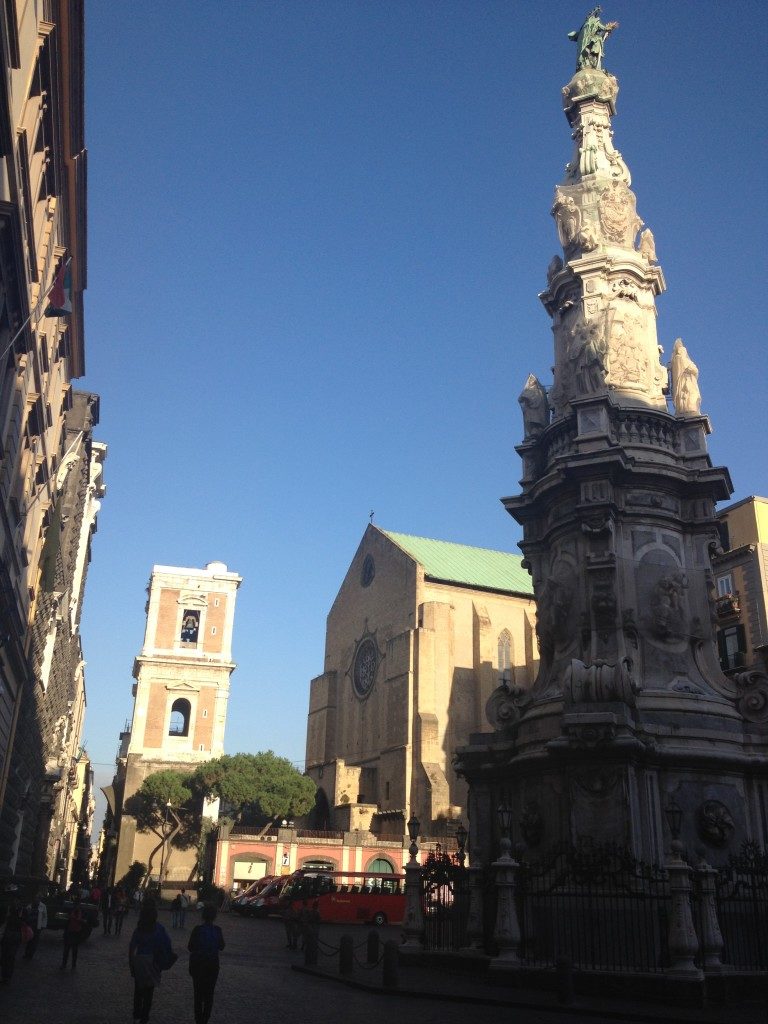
(380, 918)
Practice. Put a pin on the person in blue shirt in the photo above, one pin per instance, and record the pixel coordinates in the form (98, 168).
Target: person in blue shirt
(204, 946)
(149, 953)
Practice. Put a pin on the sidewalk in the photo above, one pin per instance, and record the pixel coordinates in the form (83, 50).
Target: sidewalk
(430, 983)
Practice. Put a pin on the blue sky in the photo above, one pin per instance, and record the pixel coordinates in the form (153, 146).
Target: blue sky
(317, 232)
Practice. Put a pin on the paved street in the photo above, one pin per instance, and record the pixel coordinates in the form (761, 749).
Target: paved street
(256, 983)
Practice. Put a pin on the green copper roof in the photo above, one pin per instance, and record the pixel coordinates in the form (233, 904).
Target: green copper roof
(459, 563)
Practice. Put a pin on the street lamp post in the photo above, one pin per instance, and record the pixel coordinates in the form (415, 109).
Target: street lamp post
(414, 919)
(507, 931)
(682, 941)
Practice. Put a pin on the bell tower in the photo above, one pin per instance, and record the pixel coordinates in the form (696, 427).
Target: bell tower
(180, 697)
(182, 673)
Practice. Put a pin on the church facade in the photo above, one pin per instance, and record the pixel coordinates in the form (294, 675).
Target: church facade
(420, 634)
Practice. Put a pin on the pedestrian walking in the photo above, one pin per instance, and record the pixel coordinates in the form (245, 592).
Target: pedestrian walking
(10, 942)
(176, 911)
(183, 907)
(119, 909)
(205, 944)
(36, 917)
(73, 934)
(105, 905)
(149, 954)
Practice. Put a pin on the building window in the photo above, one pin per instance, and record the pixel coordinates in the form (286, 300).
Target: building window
(215, 602)
(505, 654)
(381, 866)
(369, 571)
(180, 714)
(201, 747)
(205, 712)
(724, 585)
(213, 631)
(732, 647)
(190, 626)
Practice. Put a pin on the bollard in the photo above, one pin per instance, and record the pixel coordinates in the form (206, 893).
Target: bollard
(346, 955)
(310, 949)
(391, 962)
(373, 947)
(564, 981)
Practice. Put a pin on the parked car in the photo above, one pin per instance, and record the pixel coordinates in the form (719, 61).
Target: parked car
(59, 907)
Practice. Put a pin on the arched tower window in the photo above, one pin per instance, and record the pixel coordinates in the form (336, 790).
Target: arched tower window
(180, 714)
(505, 653)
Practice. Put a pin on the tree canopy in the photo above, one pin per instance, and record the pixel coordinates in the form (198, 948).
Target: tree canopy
(149, 804)
(268, 784)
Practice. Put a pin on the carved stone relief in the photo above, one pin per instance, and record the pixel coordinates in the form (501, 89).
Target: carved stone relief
(715, 824)
(618, 217)
(585, 684)
(555, 612)
(532, 824)
(669, 618)
(628, 359)
(586, 353)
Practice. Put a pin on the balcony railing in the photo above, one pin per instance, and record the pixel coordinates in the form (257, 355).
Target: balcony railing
(729, 662)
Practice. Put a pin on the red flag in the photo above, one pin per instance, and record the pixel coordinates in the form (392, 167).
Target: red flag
(60, 295)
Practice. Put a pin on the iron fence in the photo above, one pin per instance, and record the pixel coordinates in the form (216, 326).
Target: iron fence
(595, 905)
(741, 898)
(444, 902)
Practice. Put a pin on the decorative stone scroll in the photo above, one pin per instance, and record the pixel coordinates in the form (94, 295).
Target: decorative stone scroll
(506, 706)
(752, 696)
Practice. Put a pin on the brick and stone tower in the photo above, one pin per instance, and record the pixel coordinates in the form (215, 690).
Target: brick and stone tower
(630, 715)
(181, 691)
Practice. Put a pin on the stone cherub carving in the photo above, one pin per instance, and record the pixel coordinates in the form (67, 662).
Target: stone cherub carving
(533, 401)
(685, 381)
(590, 40)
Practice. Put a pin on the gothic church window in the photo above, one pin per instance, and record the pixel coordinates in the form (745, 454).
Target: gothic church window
(180, 714)
(505, 654)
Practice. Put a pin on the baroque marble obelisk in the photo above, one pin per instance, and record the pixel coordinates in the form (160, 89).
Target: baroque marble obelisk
(630, 713)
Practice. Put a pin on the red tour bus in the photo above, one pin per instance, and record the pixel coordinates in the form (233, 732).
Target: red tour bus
(341, 897)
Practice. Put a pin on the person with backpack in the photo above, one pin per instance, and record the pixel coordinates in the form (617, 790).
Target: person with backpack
(149, 954)
(205, 943)
(73, 933)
